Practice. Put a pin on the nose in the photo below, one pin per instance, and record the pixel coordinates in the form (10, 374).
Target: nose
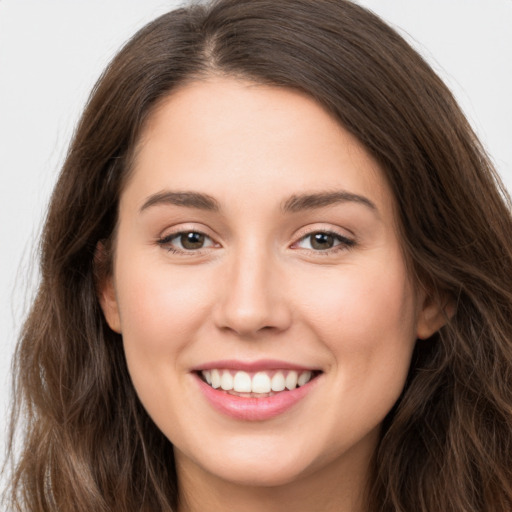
(253, 296)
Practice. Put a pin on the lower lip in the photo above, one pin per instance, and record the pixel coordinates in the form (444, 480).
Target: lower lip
(254, 409)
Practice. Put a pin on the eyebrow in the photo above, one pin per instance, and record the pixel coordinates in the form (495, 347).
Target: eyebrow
(187, 199)
(294, 204)
(298, 203)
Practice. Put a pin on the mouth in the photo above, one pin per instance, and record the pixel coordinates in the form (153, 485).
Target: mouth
(257, 390)
(256, 384)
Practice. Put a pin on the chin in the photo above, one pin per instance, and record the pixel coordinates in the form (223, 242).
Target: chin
(250, 462)
(259, 473)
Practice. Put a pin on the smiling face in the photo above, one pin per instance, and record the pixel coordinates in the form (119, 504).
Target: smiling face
(256, 245)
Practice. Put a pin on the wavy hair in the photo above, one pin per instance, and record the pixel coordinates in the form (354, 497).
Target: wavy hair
(88, 444)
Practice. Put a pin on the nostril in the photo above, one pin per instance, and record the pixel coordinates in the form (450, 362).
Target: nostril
(252, 301)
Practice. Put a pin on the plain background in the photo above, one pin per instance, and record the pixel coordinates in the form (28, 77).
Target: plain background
(52, 52)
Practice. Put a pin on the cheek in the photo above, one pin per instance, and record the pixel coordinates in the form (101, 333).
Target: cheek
(366, 316)
(160, 309)
(161, 316)
(373, 292)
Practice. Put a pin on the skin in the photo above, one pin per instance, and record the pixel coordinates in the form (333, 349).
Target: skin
(259, 290)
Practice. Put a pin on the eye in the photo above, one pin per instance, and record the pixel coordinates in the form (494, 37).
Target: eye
(186, 241)
(324, 241)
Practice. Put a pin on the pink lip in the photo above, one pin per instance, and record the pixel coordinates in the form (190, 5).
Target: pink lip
(251, 366)
(250, 408)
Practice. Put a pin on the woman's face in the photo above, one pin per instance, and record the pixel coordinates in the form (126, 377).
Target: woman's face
(257, 250)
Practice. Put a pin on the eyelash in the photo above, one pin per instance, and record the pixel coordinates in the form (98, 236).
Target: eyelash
(343, 244)
(166, 242)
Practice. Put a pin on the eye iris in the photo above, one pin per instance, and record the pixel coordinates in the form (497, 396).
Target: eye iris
(322, 241)
(192, 240)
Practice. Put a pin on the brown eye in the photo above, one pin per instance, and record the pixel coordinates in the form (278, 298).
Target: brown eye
(192, 240)
(186, 241)
(322, 241)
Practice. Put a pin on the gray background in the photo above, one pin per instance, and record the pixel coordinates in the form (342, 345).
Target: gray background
(52, 52)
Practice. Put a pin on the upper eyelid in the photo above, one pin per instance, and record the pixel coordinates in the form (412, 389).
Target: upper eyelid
(318, 228)
(165, 242)
(175, 234)
(327, 232)
(345, 240)
(181, 228)
(299, 235)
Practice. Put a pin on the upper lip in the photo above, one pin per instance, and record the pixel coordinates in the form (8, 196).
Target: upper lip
(252, 366)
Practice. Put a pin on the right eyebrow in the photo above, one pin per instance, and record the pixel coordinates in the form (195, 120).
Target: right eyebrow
(297, 203)
(187, 199)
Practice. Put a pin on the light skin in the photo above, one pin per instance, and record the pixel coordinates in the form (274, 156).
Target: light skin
(300, 262)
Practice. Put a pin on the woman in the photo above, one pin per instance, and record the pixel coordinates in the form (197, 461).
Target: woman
(275, 275)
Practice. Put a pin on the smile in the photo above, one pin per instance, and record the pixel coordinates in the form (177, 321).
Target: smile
(256, 391)
(256, 384)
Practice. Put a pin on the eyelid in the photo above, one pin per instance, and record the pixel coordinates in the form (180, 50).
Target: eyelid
(165, 240)
(324, 227)
(176, 234)
(185, 227)
(346, 241)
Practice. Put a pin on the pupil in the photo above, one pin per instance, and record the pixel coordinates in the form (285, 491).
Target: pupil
(192, 240)
(322, 241)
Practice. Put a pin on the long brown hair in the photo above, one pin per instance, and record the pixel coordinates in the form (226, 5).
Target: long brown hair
(446, 446)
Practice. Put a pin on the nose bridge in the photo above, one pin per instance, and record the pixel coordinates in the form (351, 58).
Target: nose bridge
(253, 297)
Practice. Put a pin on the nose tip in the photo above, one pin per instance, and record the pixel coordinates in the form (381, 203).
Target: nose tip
(247, 321)
(253, 301)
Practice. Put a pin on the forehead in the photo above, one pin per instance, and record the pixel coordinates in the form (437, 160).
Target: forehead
(222, 134)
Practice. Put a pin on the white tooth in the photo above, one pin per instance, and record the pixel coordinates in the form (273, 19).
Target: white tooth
(207, 376)
(242, 382)
(261, 383)
(215, 379)
(304, 378)
(226, 381)
(291, 380)
(278, 382)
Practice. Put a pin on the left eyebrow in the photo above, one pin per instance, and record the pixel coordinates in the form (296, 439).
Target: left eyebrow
(297, 203)
(186, 199)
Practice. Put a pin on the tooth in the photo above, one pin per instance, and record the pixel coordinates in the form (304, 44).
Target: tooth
(304, 378)
(242, 382)
(215, 379)
(261, 383)
(207, 376)
(226, 381)
(278, 382)
(291, 380)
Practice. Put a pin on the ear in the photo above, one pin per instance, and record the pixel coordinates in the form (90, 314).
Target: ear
(105, 287)
(433, 314)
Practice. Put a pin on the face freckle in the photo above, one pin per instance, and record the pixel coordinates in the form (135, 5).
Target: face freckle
(256, 236)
